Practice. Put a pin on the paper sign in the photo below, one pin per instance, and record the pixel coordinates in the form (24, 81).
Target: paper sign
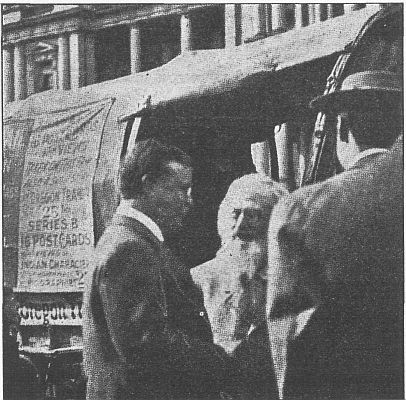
(56, 217)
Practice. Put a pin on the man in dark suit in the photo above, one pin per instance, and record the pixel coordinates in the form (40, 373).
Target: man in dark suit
(146, 333)
(335, 267)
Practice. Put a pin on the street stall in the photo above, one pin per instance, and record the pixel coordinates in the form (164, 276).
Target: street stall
(62, 152)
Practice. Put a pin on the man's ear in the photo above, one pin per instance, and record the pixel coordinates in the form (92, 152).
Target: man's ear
(343, 128)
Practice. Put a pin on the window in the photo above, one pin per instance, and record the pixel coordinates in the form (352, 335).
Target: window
(47, 82)
(112, 53)
(160, 41)
(208, 28)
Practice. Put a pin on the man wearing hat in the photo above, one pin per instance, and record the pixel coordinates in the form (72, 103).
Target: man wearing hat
(335, 257)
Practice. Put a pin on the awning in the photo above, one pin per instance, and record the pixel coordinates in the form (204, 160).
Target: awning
(275, 70)
(213, 72)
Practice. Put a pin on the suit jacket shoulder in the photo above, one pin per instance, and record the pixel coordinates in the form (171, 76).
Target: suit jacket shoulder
(126, 243)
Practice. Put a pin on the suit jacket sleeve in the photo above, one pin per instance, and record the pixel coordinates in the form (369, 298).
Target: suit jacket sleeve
(294, 283)
(129, 289)
(292, 280)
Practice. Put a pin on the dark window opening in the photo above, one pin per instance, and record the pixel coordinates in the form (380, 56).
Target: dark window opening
(46, 82)
(112, 53)
(208, 28)
(160, 42)
(338, 9)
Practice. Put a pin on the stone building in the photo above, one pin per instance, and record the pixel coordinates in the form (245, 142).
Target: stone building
(68, 46)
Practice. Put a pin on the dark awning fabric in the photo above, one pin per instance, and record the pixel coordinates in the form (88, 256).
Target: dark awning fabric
(213, 72)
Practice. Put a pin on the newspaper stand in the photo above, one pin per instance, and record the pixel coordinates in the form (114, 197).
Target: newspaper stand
(62, 151)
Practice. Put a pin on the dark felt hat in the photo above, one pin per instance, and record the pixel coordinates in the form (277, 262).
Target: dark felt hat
(363, 91)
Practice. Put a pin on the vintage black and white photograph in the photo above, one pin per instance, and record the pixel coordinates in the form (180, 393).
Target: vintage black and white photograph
(202, 201)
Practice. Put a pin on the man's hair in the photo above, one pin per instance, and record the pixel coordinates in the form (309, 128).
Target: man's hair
(375, 127)
(147, 157)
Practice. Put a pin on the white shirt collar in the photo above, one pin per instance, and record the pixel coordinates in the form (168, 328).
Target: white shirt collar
(366, 153)
(125, 209)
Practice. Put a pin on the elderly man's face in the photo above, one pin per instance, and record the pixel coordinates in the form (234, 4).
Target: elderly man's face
(249, 221)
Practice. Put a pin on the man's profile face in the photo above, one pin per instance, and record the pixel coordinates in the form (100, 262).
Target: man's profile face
(171, 195)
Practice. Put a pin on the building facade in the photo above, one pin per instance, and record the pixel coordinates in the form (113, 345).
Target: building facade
(68, 46)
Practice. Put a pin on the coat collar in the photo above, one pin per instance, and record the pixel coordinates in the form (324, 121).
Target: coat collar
(136, 226)
(366, 157)
(126, 209)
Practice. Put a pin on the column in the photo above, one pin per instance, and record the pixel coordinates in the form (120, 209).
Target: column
(284, 145)
(330, 11)
(135, 49)
(8, 74)
(232, 18)
(63, 62)
(77, 60)
(91, 73)
(31, 71)
(20, 81)
(320, 12)
(253, 21)
(279, 21)
(301, 15)
(312, 14)
(186, 34)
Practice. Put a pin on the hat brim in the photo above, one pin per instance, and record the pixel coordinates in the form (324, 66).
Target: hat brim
(356, 100)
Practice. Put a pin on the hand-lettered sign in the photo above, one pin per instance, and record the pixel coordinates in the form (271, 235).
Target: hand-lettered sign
(16, 133)
(56, 218)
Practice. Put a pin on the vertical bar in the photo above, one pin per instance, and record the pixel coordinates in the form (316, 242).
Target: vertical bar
(91, 74)
(312, 14)
(279, 21)
(186, 38)
(254, 21)
(63, 62)
(135, 49)
(77, 60)
(8, 74)
(30, 74)
(20, 81)
(230, 25)
(301, 15)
